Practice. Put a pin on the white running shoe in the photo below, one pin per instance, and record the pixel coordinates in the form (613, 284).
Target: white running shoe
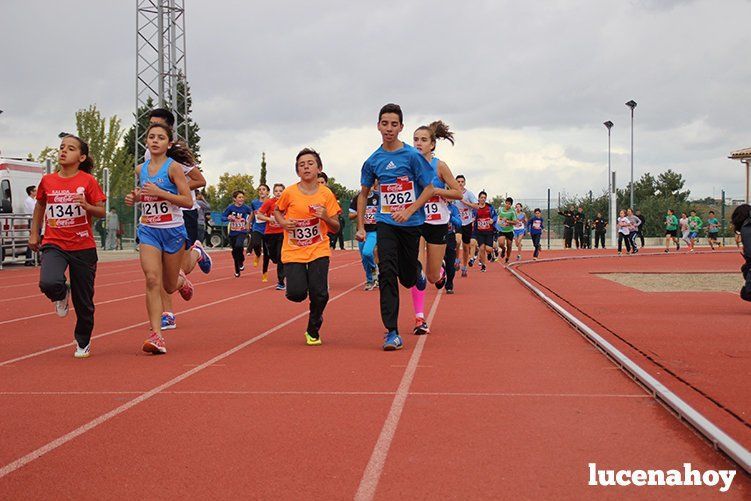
(61, 307)
(83, 352)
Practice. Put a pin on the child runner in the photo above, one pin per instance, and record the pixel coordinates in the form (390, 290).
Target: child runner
(713, 230)
(466, 206)
(685, 231)
(435, 228)
(368, 245)
(624, 228)
(455, 224)
(162, 190)
(67, 200)
(256, 231)
(506, 218)
(406, 183)
(695, 225)
(633, 229)
(238, 214)
(485, 220)
(536, 226)
(195, 180)
(273, 237)
(671, 231)
(520, 228)
(308, 211)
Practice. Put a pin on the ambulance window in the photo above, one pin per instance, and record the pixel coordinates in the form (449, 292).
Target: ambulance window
(6, 203)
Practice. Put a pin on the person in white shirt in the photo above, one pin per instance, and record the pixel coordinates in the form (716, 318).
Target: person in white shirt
(113, 224)
(28, 207)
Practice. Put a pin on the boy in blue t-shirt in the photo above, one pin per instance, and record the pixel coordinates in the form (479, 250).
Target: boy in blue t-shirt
(238, 214)
(713, 230)
(536, 225)
(406, 183)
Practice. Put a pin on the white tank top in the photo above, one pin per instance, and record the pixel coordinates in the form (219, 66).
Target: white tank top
(437, 208)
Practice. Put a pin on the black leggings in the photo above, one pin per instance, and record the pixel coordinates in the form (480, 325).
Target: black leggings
(536, 243)
(273, 243)
(449, 258)
(238, 250)
(398, 247)
(309, 280)
(599, 237)
(621, 239)
(82, 271)
(568, 234)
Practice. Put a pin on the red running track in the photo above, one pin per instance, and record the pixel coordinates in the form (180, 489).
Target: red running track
(502, 400)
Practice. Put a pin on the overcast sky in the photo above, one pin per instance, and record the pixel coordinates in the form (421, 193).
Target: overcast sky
(525, 85)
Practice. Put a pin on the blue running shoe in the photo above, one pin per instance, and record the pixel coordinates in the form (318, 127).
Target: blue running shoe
(422, 280)
(168, 321)
(393, 342)
(204, 262)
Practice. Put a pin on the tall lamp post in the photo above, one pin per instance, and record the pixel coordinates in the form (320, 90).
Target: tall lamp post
(609, 125)
(632, 104)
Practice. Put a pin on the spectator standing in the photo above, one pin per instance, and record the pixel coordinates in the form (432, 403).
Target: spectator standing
(601, 225)
(112, 225)
(568, 226)
(579, 218)
(29, 204)
(204, 208)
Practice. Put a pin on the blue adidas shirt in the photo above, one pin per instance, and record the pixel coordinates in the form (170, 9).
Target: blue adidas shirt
(258, 225)
(403, 175)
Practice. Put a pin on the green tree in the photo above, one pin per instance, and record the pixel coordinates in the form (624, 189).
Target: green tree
(183, 117)
(129, 138)
(220, 196)
(341, 192)
(103, 137)
(671, 183)
(48, 152)
(263, 169)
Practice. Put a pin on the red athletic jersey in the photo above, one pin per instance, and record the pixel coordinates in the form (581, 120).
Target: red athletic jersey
(483, 220)
(66, 223)
(267, 209)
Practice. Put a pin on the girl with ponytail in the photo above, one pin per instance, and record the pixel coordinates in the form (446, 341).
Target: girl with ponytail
(163, 190)
(437, 215)
(67, 201)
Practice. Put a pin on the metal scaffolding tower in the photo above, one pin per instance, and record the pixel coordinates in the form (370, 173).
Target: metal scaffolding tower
(160, 65)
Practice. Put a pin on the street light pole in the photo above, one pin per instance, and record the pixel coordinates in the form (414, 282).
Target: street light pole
(609, 125)
(632, 104)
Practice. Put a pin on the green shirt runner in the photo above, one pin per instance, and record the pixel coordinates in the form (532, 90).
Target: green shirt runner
(671, 222)
(713, 224)
(695, 223)
(507, 216)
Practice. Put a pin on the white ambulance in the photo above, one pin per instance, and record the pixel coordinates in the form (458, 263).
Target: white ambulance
(15, 176)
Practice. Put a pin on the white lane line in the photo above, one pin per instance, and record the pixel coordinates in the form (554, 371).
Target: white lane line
(292, 392)
(132, 326)
(372, 474)
(100, 286)
(49, 313)
(51, 446)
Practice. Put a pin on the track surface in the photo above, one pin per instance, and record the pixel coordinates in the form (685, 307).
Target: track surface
(502, 400)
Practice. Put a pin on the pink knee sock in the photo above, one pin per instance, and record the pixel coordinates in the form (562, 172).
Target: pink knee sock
(418, 301)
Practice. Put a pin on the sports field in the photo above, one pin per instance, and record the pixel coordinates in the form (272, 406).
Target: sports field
(503, 399)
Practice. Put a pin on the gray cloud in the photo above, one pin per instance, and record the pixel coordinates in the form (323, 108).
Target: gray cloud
(291, 73)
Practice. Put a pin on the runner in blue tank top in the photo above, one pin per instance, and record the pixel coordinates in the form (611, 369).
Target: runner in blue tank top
(406, 183)
(162, 190)
(258, 228)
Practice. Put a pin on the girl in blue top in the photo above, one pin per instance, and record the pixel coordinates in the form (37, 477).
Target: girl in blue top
(239, 215)
(437, 214)
(163, 190)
